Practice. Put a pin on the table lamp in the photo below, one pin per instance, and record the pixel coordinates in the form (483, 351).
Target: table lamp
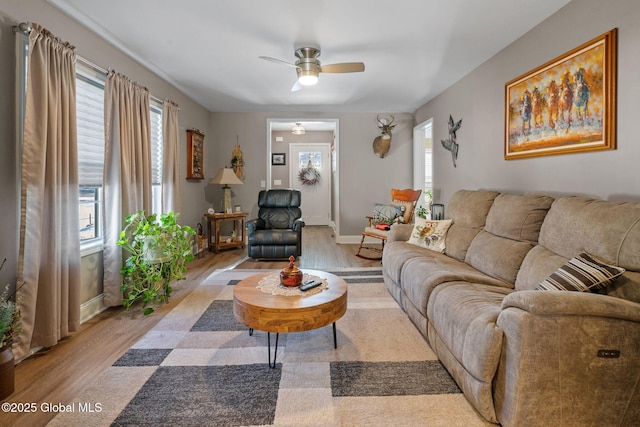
(226, 176)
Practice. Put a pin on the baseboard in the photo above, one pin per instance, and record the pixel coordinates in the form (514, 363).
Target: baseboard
(92, 308)
(355, 240)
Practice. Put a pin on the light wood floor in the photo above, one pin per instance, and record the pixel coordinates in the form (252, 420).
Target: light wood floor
(59, 373)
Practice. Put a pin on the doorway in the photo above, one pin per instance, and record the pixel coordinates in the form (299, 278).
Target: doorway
(311, 125)
(310, 172)
(423, 161)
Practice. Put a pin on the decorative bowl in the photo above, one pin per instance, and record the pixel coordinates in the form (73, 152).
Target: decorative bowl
(291, 276)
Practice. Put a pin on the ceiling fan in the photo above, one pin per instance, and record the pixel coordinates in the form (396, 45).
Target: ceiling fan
(308, 66)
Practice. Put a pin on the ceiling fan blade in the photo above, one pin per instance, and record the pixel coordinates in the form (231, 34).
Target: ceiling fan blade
(296, 86)
(278, 61)
(345, 67)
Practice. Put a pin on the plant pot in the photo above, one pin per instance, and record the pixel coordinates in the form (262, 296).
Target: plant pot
(7, 371)
(154, 251)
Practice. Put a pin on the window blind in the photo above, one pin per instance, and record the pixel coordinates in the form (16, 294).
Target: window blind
(90, 124)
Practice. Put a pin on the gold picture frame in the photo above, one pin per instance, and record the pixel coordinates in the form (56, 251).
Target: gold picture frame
(195, 154)
(567, 105)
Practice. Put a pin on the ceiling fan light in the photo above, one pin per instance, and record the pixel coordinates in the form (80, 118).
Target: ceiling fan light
(308, 79)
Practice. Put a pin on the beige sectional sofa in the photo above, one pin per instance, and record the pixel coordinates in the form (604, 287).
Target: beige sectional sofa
(523, 356)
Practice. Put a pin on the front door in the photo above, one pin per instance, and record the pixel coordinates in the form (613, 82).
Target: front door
(310, 172)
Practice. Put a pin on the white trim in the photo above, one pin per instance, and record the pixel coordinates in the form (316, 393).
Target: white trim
(354, 240)
(418, 155)
(92, 246)
(92, 308)
(336, 176)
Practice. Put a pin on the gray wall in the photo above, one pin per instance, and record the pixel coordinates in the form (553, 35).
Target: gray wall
(98, 51)
(478, 99)
(363, 177)
(282, 172)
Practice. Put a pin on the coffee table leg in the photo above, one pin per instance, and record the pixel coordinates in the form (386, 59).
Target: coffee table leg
(275, 351)
(335, 339)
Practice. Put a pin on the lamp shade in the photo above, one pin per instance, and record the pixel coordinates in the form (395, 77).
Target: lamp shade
(225, 176)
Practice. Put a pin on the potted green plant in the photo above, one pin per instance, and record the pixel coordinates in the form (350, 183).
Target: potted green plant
(10, 327)
(422, 211)
(159, 250)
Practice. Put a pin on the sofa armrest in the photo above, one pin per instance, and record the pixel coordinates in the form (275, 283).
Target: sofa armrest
(253, 225)
(399, 232)
(553, 303)
(574, 354)
(298, 224)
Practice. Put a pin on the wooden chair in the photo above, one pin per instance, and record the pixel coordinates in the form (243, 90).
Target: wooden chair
(408, 199)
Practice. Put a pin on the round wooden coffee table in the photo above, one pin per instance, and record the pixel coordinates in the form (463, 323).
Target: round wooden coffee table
(283, 313)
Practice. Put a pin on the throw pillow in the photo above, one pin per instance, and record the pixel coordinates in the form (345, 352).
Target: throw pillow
(430, 234)
(407, 210)
(385, 213)
(582, 273)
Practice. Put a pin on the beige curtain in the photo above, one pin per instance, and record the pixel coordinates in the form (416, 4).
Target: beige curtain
(127, 170)
(49, 258)
(171, 163)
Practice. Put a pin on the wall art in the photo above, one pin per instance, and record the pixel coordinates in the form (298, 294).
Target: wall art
(566, 105)
(278, 159)
(195, 155)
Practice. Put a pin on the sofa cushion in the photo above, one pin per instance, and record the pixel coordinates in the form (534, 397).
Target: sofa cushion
(420, 276)
(581, 273)
(539, 264)
(518, 217)
(607, 230)
(468, 210)
(397, 253)
(430, 234)
(497, 256)
(613, 236)
(464, 316)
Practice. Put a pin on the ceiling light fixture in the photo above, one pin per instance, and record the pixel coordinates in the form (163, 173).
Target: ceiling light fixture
(307, 79)
(298, 129)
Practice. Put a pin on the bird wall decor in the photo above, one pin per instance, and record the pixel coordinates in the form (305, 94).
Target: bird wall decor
(450, 143)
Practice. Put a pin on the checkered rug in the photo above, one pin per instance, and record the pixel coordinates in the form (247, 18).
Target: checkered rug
(200, 367)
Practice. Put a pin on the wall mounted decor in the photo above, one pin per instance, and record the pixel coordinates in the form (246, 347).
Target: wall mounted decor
(278, 159)
(237, 162)
(566, 105)
(309, 175)
(195, 155)
(450, 143)
(382, 143)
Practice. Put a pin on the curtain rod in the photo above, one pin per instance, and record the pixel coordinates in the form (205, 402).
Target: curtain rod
(25, 28)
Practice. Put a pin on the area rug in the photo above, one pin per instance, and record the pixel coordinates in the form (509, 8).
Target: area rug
(200, 367)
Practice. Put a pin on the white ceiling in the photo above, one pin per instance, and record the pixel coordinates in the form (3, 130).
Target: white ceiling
(412, 49)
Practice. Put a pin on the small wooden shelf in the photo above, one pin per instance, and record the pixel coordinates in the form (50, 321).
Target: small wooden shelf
(216, 244)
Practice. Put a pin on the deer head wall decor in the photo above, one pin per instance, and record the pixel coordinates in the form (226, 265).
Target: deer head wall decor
(382, 143)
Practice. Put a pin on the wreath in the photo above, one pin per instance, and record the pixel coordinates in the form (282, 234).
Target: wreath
(309, 176)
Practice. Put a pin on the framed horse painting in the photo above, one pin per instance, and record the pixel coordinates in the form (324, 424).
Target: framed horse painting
(566, 105)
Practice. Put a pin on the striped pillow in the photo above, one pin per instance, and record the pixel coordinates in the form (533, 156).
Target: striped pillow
(582, 273)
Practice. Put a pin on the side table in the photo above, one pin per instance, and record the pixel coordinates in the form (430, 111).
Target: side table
(213, 230)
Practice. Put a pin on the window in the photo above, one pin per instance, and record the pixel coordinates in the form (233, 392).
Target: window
(422, 161)
(156, 155)
(90, 123)
(90, 83)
